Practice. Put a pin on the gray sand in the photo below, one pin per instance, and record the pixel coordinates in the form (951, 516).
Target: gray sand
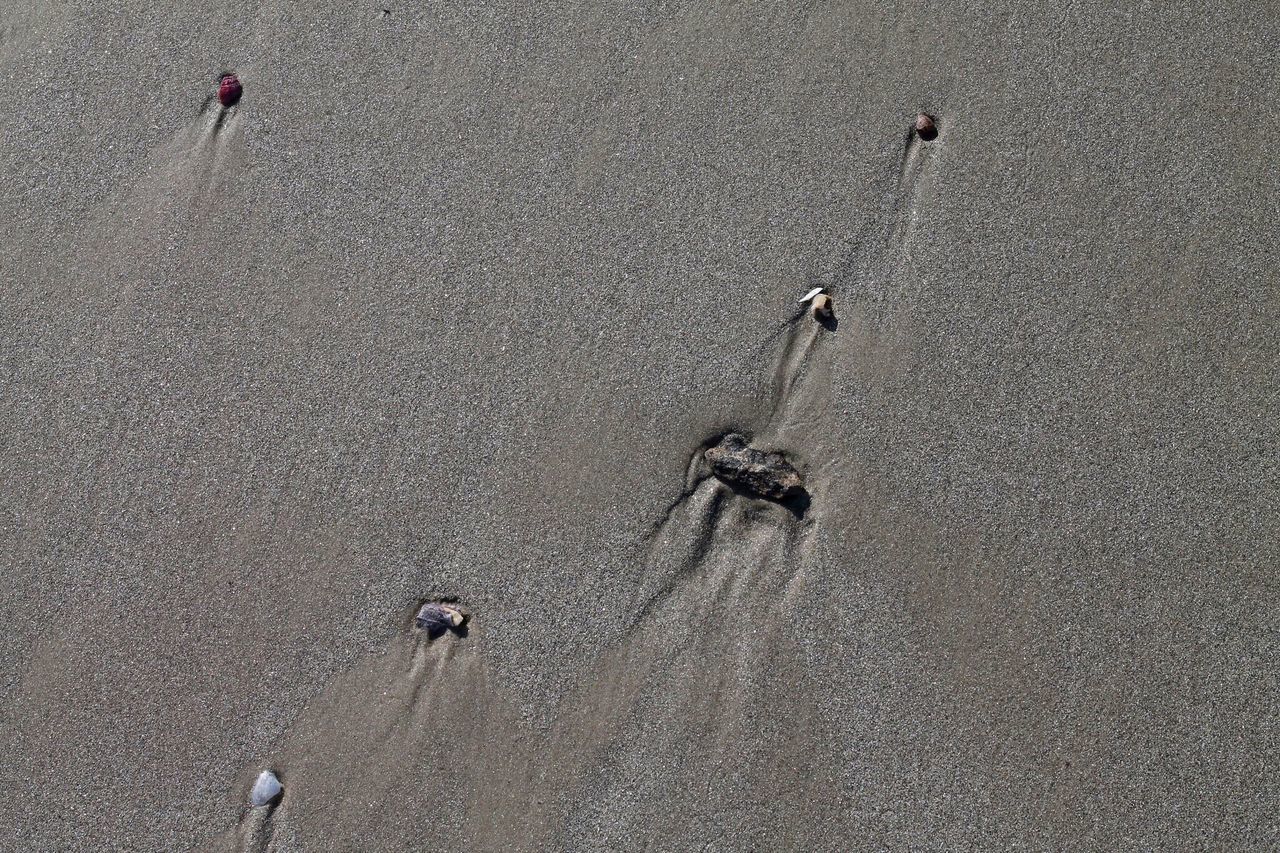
(447, 306)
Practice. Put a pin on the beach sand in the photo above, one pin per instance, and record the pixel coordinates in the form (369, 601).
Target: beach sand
(451, 302)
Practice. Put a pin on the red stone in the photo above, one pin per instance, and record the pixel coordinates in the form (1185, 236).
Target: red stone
(229, 90)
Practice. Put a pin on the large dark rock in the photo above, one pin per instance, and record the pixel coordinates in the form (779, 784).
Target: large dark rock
(763, 474)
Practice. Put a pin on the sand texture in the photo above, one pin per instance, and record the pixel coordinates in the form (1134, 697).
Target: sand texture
(449, 306)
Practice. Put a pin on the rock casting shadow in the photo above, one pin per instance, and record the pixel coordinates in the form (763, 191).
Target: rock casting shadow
(797, 503)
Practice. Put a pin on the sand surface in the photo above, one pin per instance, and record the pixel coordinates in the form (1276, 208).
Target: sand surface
(448, 306)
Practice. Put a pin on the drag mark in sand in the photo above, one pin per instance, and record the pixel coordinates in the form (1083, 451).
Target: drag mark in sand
(737, 489)
(256, 829)
(882, 243)
(173, 191)
(416, 719)
(206, 147)
(914, 171)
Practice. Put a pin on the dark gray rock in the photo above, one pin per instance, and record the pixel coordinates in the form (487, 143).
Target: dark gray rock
(760, 473)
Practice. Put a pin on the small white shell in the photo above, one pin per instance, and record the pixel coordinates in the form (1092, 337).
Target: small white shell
(265, 789)
(812, 293)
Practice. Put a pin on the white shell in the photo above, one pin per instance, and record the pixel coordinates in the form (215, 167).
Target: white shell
(266, 789)
(812, 293)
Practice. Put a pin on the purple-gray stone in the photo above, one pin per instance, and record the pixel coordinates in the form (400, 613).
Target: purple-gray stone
(435, 619)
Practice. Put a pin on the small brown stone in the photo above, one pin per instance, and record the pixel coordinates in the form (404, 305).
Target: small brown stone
(926, 129)
(822, 306)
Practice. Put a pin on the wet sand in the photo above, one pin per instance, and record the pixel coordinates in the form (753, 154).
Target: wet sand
(451, 302)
